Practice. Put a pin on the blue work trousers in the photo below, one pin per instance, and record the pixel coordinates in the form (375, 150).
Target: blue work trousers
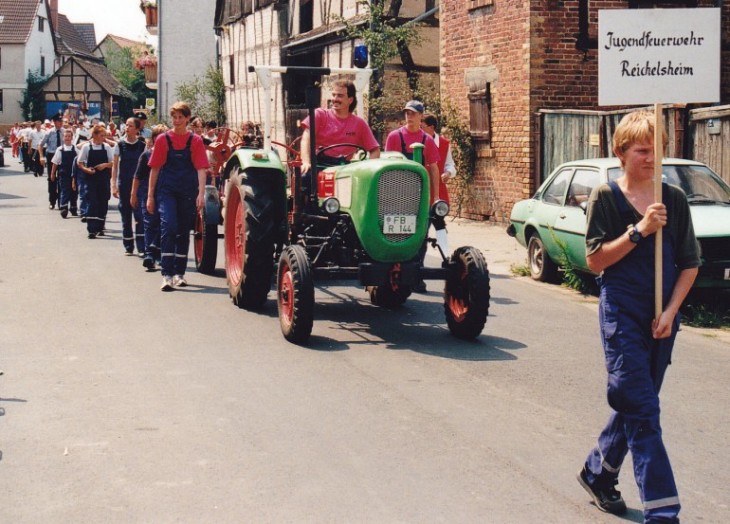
(636, 364)
(132, 232)
(176, 209)
(97, 194)
(151, 224)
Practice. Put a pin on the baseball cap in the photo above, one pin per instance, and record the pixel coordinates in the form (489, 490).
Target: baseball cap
(140, 115)
(414, 105)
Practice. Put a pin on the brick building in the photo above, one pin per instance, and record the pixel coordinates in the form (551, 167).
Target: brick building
(504, 60)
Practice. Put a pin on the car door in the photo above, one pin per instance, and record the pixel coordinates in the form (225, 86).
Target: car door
(552, 199)
(570, 222)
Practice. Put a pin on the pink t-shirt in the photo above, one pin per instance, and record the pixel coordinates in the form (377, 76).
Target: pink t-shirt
(430, 153)
(332, 130)
(197, 150)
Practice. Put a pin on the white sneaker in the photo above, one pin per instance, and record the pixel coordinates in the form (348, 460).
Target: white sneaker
(166, 284)
(179, 281)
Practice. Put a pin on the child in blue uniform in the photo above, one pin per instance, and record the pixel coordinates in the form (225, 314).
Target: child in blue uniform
(95, 161)
(62, 170)
(622, 221)
(140, 190)
(126, 158)
(176, 191)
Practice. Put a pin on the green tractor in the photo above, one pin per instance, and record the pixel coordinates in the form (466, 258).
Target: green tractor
(365, 221)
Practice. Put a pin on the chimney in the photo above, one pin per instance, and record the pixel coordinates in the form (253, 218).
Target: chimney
(53, 14)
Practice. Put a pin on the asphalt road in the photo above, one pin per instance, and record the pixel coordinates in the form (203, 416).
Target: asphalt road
(120, 403)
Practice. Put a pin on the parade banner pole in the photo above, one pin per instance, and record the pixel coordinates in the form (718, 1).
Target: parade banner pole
(658, 255)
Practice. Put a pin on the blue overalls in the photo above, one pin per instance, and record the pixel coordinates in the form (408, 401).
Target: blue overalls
(128, 157)
(177, 189)
(636, 363)
(97, 190)
(65, 174)
(151, 221)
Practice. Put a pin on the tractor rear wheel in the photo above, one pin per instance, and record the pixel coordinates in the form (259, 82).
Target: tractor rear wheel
(250, 232)
(295, 294)
(205, 243)
(466, 295)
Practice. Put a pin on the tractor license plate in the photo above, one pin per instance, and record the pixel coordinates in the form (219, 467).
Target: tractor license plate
(399, 224)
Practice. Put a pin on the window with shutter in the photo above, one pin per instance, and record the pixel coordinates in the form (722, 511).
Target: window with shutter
(480, 115)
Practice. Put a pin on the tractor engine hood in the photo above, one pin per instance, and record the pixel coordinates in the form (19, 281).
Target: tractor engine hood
(388, 202)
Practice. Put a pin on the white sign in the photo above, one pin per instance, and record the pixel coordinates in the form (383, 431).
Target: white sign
(149, 103)
(399, 224)
(658, 56)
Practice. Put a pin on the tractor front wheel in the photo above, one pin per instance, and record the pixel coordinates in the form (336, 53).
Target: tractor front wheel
(466, 295)
(295, 294)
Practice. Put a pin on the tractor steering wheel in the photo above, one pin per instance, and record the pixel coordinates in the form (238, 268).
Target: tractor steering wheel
(359, 154)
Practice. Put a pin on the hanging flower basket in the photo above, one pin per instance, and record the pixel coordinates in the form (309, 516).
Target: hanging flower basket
(145, 61)
(150, 74)
(150, 12)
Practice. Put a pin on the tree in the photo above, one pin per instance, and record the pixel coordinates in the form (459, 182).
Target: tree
(120, 63)
(33, 103)
(205, 96)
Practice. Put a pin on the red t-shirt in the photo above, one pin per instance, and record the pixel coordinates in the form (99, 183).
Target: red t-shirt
(197, 150)
(332, 130)
(430, 153)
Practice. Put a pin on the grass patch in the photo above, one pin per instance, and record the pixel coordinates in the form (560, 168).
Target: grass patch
(701, 314)
(571, 278)
(522, 270)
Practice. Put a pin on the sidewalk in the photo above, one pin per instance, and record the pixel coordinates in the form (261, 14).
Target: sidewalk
(500, 250)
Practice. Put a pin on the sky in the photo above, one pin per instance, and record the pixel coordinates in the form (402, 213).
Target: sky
(117, 17)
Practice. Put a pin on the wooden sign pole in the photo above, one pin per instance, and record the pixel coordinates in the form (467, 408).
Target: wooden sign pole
(658, 157)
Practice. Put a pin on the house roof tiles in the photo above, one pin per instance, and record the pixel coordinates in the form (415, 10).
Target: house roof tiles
(17, 21)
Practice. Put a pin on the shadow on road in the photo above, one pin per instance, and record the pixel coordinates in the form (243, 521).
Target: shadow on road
(419, 326)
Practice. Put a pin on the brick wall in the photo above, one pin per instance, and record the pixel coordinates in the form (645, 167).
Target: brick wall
(491, 44)
(527, 52)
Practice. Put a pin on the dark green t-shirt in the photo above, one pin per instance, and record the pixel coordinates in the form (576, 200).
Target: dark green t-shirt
(605, 223)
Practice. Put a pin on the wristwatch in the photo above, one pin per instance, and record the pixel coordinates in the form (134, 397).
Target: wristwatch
(634, 234)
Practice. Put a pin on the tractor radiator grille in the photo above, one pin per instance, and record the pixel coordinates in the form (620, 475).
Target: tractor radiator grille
(399, 193)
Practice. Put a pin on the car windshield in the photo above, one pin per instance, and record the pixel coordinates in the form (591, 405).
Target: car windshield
(699, 183)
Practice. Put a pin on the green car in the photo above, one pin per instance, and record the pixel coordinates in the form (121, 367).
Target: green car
(553, 221)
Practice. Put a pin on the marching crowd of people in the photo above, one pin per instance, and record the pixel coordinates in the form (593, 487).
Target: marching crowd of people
(158, 176)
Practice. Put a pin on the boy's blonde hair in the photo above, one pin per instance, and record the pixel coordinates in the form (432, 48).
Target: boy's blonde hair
(635, 127)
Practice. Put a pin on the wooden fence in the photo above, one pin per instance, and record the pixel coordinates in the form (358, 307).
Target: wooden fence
(698, 134)
(711, 138)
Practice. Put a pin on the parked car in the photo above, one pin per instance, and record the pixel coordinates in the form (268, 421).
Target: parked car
(556, 215)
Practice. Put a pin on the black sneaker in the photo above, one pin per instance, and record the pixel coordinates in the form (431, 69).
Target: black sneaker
(74, 213)
(607, 499)
(149, 263)
(64, 213)
(83, 219)
(92, 235)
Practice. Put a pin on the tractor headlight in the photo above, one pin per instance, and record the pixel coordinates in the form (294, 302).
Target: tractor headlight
(331, 205)
(440, 208)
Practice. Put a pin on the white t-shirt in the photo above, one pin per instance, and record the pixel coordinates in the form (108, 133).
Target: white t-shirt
(57, 158)
(84, 155)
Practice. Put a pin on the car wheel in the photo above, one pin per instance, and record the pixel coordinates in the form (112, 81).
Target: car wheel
(542, 267)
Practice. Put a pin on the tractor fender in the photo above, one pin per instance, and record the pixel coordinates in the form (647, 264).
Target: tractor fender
(212, 204)
(258, 159)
